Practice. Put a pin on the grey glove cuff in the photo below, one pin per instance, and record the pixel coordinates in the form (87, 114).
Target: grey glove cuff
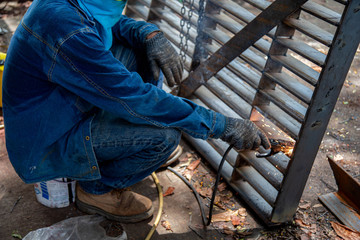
(157, 41)
(229, 127)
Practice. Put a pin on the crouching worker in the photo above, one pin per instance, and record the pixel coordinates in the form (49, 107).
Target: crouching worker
(82, 99)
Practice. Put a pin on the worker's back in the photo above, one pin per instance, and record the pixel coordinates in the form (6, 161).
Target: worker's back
(37, 110)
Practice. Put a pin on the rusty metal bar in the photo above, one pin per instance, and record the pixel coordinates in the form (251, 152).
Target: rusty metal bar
(319, 112)
(348, 187)
(252, 32)
(344, 203)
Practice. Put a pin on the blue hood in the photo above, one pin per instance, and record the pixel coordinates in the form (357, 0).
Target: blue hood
(107, 13)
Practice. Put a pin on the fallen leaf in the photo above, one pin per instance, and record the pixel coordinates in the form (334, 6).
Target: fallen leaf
(166, 225)
(169, 191)
(225, 199)
(224, 216)
(185, 158)
(16, 235)
(242, 231)
(317, 205)
(235, 220)
(228, 231)
(338, 157)
(345, 232)
(242, 212)
(222, 187)
(304, 237)
(205, 192)
(194, 165)
(188, 174)
(301, 223)
(218, 202)
(305, 206)
(313, 228)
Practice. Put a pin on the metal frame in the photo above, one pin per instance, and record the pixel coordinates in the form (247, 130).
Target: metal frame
(243, 67)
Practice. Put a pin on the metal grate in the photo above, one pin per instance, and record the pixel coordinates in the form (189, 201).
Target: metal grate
(281, 64)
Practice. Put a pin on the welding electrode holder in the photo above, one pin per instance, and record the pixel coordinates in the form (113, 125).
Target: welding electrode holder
(277, 146)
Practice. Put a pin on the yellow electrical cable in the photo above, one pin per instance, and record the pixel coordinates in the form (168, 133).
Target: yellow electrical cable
(161, 202)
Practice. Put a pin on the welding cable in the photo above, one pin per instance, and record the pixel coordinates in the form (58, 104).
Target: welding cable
(161, 203)
(206, 223)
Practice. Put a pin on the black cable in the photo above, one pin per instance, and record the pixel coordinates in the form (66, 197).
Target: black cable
(206, 223)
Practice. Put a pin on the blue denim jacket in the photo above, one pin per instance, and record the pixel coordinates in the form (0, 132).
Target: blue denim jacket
(57, 72)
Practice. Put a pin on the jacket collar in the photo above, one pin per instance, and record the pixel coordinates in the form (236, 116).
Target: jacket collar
(76, 4)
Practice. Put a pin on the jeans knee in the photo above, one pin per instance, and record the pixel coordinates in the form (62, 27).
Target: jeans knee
(171, 137)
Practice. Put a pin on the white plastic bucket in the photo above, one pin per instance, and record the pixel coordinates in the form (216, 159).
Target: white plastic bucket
(57, 193)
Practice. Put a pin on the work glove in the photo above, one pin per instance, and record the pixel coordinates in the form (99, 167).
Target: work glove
(161, 55)
(244, 134)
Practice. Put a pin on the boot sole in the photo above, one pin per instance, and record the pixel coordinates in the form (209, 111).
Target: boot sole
(89, 209)
(173, 157)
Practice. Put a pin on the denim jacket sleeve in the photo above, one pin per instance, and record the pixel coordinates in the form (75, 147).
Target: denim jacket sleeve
(102, 80)
(134, 32)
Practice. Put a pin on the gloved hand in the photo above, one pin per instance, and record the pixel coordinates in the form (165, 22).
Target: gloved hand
(162, 55)
(244, 134)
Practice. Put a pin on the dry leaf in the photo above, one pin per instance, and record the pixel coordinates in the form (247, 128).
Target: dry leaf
(338, 157)
(313, 228)
(304, 237)
(169, 191)
(235, 220)
(185, 158)
(188, 174)
(317, 205)
(222, 187)
(301, 223)
(205, 192)
(242, 212)
(218, 202)
(305, 206)
(194, 165)
(166, 225)
(243, 232)
(223, 217)
(225, 199)
(228, 231)
(345, 232)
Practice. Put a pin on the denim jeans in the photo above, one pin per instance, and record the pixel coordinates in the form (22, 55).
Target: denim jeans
(127, 153)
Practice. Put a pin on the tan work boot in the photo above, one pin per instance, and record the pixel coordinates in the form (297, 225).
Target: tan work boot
(120, 205)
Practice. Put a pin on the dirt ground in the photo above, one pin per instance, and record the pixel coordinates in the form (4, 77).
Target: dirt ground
(20, 213)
